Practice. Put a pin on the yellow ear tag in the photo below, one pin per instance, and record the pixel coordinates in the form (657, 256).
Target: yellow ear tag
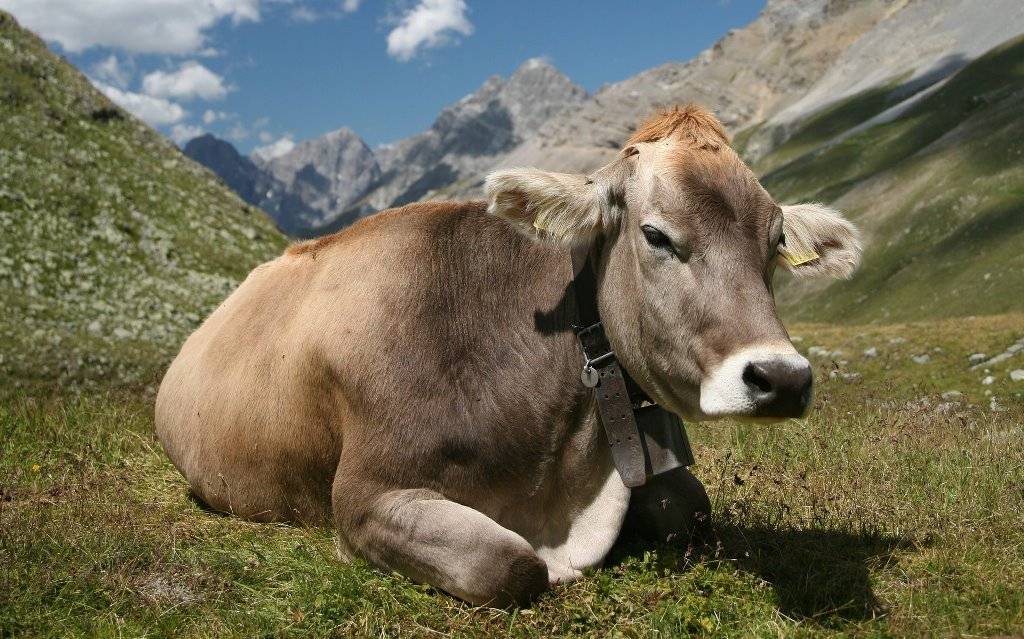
(796, 259)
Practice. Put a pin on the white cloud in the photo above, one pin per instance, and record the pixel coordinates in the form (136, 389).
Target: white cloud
(275, 149)
(238, 133)
(182, 133)
(210, 116)
(431, 23)
(138, 26)
(350, 6)
(153, 111)
(265, 136)
(189, 81)
(304, 14)
(111, 70)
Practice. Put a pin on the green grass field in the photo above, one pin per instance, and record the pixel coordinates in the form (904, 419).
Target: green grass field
(896, 509)
(890, 511)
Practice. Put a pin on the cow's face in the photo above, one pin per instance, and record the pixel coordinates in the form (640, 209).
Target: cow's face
(689, 242)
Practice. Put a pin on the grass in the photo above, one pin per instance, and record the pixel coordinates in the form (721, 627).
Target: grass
(824, 125)
(890, 511)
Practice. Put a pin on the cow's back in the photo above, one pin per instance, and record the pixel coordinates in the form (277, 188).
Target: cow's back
(408, 341)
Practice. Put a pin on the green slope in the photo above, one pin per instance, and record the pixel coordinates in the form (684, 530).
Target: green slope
(113, 245)
(938, 191)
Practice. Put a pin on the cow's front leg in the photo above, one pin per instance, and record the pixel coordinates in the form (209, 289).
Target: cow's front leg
(670, 507)
(432, 540)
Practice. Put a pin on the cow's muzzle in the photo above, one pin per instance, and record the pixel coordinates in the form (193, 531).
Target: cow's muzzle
(771, 381)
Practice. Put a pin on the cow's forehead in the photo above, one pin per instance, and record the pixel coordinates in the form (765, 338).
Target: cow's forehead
(702, 185)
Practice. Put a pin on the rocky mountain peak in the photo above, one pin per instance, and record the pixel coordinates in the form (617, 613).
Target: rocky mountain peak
(536, 92)
(326, 153)
(344, 135)
(334, 155)
(208, 142)
(332, 179)
(539, 70)
(532, 94)
(327, 173)
(237, 171)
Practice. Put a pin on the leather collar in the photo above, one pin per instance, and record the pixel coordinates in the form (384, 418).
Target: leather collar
(645, 440)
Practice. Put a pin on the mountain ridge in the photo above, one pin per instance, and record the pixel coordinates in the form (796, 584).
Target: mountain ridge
(329, 181)
(572, 131)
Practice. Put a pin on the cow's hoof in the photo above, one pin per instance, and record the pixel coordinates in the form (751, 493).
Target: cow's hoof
(526, 577)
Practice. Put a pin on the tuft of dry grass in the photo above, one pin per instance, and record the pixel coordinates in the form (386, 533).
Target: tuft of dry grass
(892, 510)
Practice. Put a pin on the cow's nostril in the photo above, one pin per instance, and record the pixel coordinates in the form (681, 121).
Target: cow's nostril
(779, 387)
(756, 377)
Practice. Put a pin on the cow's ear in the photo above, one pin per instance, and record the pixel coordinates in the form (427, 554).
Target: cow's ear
(562, 207)
(818, 241)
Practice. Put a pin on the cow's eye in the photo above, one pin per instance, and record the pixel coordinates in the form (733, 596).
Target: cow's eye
(657, 239)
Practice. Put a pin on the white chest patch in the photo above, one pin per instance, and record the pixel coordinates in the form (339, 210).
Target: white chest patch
(587, 533)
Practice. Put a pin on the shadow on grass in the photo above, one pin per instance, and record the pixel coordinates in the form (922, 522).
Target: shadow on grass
(817, 574)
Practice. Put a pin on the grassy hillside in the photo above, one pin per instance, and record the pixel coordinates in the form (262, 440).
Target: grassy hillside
(113, 245)
(894, 510)
(939, 192)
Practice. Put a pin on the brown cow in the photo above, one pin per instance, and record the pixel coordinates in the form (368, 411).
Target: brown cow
(416, 380)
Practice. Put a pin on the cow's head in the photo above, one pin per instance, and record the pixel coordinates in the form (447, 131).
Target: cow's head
(689, 241)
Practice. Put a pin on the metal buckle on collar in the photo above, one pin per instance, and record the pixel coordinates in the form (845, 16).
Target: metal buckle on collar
(590, 376)
(590, 338)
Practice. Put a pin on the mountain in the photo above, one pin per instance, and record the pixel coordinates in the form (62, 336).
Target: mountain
(475, 131)
(325, 176)
(746, 75)
(936, 183)
(114, 245)
(328, 182)
(238, 172)
(911, 51)
(795, 59)
(904, 114)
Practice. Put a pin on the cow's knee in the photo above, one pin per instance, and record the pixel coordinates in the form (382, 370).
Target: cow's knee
(448, 545)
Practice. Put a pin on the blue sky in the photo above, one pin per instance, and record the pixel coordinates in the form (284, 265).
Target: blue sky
(263, 73)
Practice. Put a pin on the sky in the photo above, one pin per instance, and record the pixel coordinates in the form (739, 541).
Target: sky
(265, 74)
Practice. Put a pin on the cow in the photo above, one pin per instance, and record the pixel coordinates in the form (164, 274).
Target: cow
(414, 379)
